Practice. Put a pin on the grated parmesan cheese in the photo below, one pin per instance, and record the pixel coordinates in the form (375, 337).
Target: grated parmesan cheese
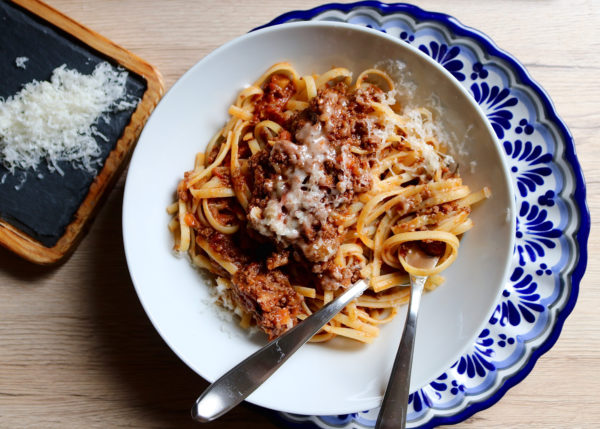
(405, 87)
(419, 122)
(21, 62)
(298, 207)
(54, 121)
(473, 166)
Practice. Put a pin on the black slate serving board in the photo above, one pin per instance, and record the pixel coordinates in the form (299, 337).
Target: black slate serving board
(42, 203)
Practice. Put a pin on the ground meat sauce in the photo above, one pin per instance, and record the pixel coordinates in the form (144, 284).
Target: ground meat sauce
(225, 212)
(311, 173)
(268, 296)
(272, 104)
(305, 176)
(432, 247)
(278, 259)
(223, 245)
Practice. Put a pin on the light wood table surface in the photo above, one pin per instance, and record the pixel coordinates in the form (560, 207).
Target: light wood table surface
(76, 348)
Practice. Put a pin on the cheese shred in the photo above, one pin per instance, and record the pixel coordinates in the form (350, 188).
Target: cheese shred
(55, 121)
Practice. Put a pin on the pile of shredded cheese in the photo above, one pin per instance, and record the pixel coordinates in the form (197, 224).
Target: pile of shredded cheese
(419, 121)
(54, 121)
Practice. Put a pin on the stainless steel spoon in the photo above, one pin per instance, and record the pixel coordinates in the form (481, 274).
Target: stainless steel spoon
(392, 414)
(237, 384)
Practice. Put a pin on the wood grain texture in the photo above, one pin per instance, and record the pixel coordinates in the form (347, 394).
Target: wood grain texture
(76, 349)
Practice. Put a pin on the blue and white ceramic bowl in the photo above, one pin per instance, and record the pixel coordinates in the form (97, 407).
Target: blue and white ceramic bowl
(552, 218)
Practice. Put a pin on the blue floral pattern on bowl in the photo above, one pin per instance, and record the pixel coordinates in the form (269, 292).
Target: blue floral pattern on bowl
(552, 220)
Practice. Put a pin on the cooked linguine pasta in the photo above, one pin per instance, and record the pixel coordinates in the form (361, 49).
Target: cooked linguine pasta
(315, 182)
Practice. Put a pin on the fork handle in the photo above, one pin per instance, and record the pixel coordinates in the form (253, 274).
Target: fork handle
(239, 382)
(395, 402)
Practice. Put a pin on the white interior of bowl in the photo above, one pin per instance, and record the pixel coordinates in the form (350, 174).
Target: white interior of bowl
(341, 376)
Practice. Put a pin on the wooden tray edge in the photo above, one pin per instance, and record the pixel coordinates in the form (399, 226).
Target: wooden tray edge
(19, 242)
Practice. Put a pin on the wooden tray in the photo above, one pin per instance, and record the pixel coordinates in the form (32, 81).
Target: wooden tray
(17, 235)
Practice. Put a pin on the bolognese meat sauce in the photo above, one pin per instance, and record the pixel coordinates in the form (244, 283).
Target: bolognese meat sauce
(300, 183)
(268, 296)
(313, 184)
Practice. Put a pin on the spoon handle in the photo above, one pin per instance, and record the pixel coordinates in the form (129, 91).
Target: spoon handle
(237, 384)
(395, 401)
